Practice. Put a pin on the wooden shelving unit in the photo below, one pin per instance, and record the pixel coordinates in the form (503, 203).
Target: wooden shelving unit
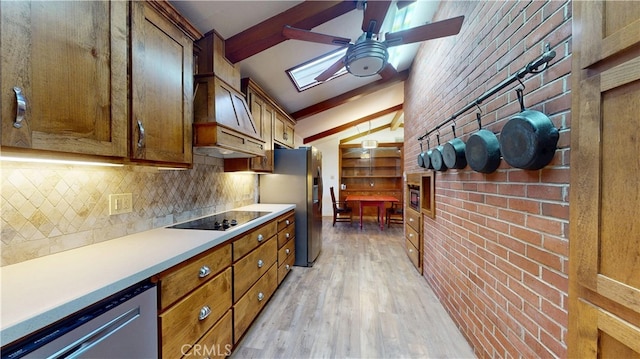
(371, 171)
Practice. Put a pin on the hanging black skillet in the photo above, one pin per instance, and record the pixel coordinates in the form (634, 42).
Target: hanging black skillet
(422, 161)
(436, 157)
(528, 140)
(453, 152)
(483, 150)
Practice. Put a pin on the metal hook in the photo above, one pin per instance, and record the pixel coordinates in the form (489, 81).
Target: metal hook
(428, 144)
(438, 137)
(453, 128)
(479, 119)
(520, 98)
(421, 150)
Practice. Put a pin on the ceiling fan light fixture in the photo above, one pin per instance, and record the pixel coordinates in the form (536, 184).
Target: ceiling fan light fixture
(366, 57)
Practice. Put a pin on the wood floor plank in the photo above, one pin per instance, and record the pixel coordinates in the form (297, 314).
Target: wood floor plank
(362, 299)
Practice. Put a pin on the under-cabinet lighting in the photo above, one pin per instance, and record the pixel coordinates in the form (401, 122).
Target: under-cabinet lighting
(59, 162)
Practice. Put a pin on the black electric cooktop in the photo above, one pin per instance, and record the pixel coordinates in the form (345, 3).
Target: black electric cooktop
(221, 221)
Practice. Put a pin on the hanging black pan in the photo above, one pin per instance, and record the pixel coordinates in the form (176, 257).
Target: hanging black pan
(483, 150)
(422, 162)
(528, 140)
(453, 151)
(426, 156)
(436, 157)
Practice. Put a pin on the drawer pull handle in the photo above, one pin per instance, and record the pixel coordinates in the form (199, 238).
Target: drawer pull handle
(260, 297)
(287, 251)
(287, 266)
(141, 138)
(287, 235)
(287, 222)
(260, 263)
(204, 271)
(204, 312)
(21, 108)
(260, 237)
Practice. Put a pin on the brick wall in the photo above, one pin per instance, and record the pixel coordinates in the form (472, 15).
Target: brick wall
(496, 253)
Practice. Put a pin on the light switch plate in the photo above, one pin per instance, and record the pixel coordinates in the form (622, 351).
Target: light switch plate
(120, 203)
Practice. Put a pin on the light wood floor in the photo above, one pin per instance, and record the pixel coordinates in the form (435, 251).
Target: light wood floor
(362, 299)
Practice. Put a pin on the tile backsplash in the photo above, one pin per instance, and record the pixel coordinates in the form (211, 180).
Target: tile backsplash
(51, 208)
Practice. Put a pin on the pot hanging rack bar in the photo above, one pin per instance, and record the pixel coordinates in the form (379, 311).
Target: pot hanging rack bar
(530, 68)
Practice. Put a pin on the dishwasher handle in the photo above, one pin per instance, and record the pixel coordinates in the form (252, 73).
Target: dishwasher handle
(80, 346)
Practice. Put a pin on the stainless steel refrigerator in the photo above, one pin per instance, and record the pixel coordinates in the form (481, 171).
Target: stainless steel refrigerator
(297, 179)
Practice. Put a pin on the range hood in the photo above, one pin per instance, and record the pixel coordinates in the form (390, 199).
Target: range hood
(223, 126)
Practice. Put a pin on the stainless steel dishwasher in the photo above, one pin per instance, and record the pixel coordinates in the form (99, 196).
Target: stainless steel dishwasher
(123, 325)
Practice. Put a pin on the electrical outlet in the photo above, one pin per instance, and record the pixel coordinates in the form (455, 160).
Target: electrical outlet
(120, 203)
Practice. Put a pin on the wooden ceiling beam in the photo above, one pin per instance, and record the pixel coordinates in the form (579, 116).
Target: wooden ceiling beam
(373, 130)
(395, 123)
(349, 96)
(347, 126)
(268, 33)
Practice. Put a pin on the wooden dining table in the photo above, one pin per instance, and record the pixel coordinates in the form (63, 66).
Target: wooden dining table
(372, 200)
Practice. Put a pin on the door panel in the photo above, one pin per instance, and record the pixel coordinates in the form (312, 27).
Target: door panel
(604, 293)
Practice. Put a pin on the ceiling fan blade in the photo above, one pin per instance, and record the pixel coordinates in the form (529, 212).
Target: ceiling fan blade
(326, 74)
(388, 72)
(374, 14)
(306, 35)
(425, 32)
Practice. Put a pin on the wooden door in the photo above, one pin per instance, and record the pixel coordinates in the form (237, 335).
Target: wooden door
(68, 59)
(162, 88)
(604, 293)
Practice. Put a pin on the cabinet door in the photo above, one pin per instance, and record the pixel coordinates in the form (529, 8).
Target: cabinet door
(263, 117)
(604, 258)
(283, 131)
(162, 88)
(72, 74)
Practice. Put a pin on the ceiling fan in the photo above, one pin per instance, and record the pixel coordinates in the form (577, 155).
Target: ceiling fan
(368, 55)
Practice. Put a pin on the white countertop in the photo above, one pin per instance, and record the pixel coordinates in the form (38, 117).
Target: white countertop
(41, 291)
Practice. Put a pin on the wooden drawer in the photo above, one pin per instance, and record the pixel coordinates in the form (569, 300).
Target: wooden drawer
(286, 220)
(251, 240)
(412, 236)
(413, 219)
(248, 307)
(217, 342)
(285, 267)
(413, 253)
(286, 234)
(177, 281)
(181, 324)
(286, 251)
(247, 270)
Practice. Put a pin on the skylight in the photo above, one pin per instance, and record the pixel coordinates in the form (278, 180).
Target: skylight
(303, 76)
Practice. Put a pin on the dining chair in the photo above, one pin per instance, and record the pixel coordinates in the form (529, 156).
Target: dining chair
(341, 212)
(394, 214)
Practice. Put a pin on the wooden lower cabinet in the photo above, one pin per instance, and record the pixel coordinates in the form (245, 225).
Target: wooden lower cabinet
(207, 303)
(250, 304)
(413, 237)
(188, 320)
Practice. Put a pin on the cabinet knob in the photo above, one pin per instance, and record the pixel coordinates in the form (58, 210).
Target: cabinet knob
(410, 219)
(260, 237)
(287, 222)
(260, 263)
(204, 271)
(287, 266)
(287, 235)
(410, 250)
(287, 251)
(204, 312)
(410, 235)
(21, 107)
(260, 297)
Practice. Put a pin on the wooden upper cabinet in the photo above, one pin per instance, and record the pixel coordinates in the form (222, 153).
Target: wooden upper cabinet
(263, 114)
(604, 257)
(283, 130)
(72, 75)
(162, 88)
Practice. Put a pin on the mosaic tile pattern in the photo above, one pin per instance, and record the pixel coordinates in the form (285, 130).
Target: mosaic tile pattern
(51, 208)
